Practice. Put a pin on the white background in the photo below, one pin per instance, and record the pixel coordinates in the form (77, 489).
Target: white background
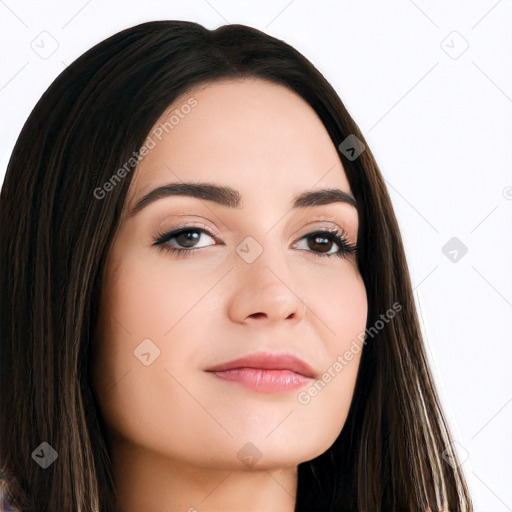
(438, 118)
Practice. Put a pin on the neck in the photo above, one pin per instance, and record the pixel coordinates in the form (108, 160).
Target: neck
(150, 481)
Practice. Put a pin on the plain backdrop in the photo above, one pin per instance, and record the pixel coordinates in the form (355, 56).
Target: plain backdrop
(430, 86)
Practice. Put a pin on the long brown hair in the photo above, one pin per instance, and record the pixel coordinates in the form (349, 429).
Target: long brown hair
(56, 234)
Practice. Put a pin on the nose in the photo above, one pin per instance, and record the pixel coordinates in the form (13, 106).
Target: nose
(265, 291)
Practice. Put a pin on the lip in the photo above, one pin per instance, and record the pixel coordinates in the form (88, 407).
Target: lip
(266, 372)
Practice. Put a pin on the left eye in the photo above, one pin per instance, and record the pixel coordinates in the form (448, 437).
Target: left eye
(322, 242)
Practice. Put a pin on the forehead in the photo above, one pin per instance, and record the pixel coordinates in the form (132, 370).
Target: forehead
(253, 135)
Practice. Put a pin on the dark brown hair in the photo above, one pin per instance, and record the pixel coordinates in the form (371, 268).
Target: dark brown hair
(56, 234)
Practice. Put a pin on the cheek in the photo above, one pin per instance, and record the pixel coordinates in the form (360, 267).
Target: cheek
(151, 297)
(150, 313)
(339, 308)
(342, 310)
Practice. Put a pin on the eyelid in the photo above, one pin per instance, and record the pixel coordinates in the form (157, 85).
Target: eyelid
(215, 233)
(326, 218)
(188, 225)
(164, 233)
(319, 217)
(336, 224)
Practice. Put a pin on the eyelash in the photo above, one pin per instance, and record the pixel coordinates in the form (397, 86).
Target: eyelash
(335, 234)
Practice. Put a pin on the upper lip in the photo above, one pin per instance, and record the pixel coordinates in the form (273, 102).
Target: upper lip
(267, 361)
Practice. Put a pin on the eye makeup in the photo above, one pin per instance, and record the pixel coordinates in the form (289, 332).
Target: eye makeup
(322, 238)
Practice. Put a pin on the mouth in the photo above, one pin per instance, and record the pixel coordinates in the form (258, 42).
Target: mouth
(266, 372)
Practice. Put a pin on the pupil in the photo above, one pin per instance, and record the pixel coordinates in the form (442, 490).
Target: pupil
(322, 244)
(189, 237)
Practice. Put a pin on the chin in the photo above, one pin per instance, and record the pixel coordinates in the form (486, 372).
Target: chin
(279, 452)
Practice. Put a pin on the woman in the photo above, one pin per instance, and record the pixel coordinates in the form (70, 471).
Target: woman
(205, 299)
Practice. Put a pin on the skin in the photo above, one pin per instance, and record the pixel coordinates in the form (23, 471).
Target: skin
(174, 429)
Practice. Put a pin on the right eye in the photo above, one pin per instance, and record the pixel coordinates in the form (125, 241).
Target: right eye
(183, 237)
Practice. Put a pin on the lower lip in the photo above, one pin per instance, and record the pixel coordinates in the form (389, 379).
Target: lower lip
(265, 381)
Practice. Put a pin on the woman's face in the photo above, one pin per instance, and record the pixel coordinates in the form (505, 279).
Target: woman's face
(166, 318)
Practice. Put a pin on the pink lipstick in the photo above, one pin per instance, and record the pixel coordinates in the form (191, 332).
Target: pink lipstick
(266, 372)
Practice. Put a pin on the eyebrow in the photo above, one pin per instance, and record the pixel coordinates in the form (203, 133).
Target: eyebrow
(231, 198)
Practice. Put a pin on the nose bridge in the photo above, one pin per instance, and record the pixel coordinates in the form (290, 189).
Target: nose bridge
(261, 257)
(262, 281)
